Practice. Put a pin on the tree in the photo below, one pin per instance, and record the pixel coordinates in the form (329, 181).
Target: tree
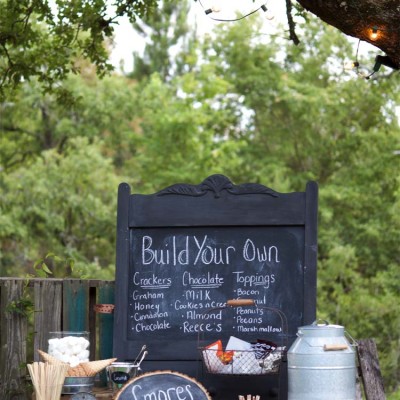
(45, 42)
(36, 122)
(41, 41)
(164, 31)
(64, 204)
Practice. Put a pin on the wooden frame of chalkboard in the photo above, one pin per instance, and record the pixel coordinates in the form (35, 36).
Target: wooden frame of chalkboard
(190, 247)
(163, 385)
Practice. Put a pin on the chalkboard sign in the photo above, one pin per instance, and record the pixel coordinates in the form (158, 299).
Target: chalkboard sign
(163, 385)
(189, 248)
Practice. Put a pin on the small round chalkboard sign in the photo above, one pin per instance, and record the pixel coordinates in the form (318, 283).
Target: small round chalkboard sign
(163, 385)
(120, 377)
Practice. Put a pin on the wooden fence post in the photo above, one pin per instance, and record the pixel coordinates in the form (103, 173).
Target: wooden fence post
(48, 307)
(370, 370)
(75, 305)
(106, 324)
(13, 333)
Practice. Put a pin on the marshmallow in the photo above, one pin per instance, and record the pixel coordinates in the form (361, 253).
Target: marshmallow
(83, 355)
(74, 361)
(70, 349)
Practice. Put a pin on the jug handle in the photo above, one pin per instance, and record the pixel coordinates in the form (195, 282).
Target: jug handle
(315, 323)
(325, 322)
(353, 342)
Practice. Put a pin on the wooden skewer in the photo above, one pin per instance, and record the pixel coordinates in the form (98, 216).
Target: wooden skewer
(47, 379)
(37, 372)
(41, 380)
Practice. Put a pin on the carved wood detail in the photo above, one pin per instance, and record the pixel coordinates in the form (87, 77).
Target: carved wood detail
(216, 184)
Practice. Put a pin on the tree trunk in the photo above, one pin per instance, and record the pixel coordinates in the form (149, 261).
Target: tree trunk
(359, 18)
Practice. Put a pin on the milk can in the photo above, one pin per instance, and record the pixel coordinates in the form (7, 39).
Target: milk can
(321, 364)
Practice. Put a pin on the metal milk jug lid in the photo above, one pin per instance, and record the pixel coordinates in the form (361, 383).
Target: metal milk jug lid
(321, 328)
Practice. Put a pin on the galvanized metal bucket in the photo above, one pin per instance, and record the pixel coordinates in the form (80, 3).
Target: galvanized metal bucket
(322, 364)
(76, 384)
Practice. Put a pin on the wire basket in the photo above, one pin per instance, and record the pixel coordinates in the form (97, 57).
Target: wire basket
(261, 358)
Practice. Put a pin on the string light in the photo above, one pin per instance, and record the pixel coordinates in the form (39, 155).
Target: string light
(268, 15)
(215, 9)
(374, 33)
(379, 61)
(348, 66)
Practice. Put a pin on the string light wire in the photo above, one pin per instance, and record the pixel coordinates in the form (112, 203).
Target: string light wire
(379, 61)
(356, 65)
(208, 11)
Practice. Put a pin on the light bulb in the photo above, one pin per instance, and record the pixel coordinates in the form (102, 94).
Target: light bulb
(374, 33)
(349, 65)
(216, 6)
(268, 15)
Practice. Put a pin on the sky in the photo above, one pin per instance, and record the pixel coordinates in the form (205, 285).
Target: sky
(127, 41)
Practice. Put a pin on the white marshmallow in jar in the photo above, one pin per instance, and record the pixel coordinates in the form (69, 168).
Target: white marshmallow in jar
(69, 347)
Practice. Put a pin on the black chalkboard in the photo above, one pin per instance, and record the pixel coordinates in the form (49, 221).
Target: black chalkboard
(189, 248)
(163, 385)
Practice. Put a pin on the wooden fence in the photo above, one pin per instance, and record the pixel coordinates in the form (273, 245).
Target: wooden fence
(58, 304)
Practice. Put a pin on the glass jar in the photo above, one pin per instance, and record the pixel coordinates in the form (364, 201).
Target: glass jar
(69, 347)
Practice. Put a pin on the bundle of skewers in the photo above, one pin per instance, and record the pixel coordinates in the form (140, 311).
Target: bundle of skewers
(47, 379)
(249, 397)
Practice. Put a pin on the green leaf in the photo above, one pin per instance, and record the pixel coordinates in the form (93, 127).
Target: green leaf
(46, 269)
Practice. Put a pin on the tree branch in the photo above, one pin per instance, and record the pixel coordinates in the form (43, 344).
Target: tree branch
(9, 162)
(292, 25)
(19, 130)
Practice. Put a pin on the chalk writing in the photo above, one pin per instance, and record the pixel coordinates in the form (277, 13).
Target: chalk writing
(177, 278)
(200, 250)
(163, 385)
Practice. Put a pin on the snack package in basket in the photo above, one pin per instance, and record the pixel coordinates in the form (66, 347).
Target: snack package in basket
(236, 344)
(245, 363)
(263, 348)
(216, 360)
(244, 359)
(272, 362)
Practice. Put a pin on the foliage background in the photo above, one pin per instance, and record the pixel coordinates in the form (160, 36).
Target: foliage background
(231, 103)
